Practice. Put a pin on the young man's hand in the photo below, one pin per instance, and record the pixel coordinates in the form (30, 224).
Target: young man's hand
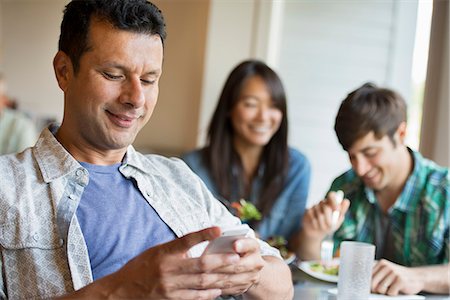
(392, 279)
(317, 221)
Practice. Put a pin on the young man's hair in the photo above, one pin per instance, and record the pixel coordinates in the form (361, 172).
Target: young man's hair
(220, 155)
(366, 109)
(138, 16)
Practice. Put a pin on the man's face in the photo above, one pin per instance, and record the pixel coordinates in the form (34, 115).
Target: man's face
(376, 161)
(115, 90)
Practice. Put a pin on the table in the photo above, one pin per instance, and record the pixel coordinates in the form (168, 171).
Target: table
(309, 288)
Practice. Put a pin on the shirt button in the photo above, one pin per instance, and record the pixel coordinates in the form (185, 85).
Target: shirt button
(72, 196)
(36, 237)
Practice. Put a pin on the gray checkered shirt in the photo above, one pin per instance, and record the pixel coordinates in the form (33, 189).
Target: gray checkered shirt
(42, 249)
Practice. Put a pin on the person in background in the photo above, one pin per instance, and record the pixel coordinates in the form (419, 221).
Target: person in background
(17, 131)
(247, 155)
(85, 216)
(396, 199)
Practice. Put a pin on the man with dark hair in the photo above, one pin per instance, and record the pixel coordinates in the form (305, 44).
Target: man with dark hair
(396, 199)
(83, 215)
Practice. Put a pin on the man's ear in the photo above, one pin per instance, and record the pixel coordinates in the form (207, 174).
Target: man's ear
(63, 68)
(401, 133)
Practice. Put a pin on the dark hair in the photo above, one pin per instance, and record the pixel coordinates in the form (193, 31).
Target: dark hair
(132, 15)
(220, 155)
(369, 108)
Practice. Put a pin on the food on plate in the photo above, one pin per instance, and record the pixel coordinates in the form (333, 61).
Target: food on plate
(246, 211)
(328, 268)
(280, 243)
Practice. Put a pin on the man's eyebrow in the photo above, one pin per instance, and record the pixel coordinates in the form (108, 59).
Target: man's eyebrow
(125, 69)
(153, 72)
(368, 148)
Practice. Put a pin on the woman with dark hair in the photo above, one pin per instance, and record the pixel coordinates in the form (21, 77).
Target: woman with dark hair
(247, 156)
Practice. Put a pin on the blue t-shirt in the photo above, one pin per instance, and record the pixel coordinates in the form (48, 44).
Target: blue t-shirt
(287, 212)
(116, 220)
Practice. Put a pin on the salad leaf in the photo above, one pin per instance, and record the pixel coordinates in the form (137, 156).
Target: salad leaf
(280, 243)
(246, 210)
(325, 269)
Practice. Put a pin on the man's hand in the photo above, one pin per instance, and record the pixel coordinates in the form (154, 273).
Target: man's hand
(316, 224)
(167, 272)
(242, 275)
(392, 279)
(317, 221)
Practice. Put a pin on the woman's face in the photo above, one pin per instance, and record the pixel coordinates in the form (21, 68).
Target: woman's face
(254, 117)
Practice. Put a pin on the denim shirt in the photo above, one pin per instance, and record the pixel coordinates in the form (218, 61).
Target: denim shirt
(43, 253)
(285, 217)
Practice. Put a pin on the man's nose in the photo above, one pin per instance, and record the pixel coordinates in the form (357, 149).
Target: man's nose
(361, 166)
(133, 93)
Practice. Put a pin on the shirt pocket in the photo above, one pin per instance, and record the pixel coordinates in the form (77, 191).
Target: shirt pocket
(34, 261)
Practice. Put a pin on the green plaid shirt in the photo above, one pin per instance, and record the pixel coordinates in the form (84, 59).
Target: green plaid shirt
(419, 218)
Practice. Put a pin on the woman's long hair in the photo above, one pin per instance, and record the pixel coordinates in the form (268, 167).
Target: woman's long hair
(220, 155)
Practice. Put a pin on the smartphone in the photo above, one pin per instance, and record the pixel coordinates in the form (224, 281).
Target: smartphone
(224, 243)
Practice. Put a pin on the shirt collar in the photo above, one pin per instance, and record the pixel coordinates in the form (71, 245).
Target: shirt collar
(135, 159)
(55, 161)
(52, 158)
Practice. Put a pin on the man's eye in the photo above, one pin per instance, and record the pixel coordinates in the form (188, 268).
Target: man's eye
(371, 154)
(148, 82)
(111, 76)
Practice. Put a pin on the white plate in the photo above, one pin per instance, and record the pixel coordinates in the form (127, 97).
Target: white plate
(305, 266)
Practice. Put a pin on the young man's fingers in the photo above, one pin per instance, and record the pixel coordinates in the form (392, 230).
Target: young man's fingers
(379, 276)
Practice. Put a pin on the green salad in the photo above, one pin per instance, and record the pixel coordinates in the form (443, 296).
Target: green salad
(246, 211)
(325, 269)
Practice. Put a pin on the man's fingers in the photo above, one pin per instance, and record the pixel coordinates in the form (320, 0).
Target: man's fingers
(206, 263)
(246, 245)
(186, 242)
(344, 206)
(330, 200)
(245, 265)
(395, 287)
(380, 275)
(197, 294)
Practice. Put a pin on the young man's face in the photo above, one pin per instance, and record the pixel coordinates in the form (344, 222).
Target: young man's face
(377, 161)
(115, 90)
